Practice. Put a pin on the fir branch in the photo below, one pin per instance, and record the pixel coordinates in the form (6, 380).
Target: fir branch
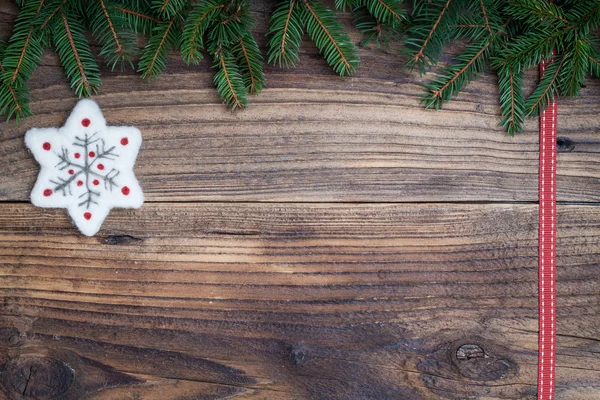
(13, 100)
(485, 18)
(199, 19)
(154, 57)
(286, 34)
(168, 8)
(426, 38)
(469, 27)
(530, 49)
(386, 11)
(110, 27)
(50, 11)
(453, 78)
(24, 51)
(594, 63)
(576, 60)
(535, 12)
(229, 81)
(510, 82)
(373, 30)
(75, 54)
(546, 90)
(330, 38)
(139, 16)
(250, 63)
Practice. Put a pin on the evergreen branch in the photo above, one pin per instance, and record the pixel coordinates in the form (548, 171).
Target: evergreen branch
(510, 82)
(576, 65)
(250, 62)
(199, 19)
(546, 90)
(485, 18)
(55, 6)
(468, 27)
(594, 63)
(372, 29)
(168, 8)
(75, 55)
(137, 14)
(386, 11)
(154, 56)
(286, 34)
(420, 53)
(228, 81)
(330, 38)
(453, 78)
(25, 49)
(13, 100)
(535, 12)
(530, 49)
(110, 27)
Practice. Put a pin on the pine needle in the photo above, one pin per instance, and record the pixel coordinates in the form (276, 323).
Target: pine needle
(75, 54)
(24, 50)
(228, 81)
(13, 100)
(110, 27)
(286, 34)
(168, 8)
(154, 57)
(329, 36)
(510, 82)
(546, 90)
(250, 63)
(200, 18)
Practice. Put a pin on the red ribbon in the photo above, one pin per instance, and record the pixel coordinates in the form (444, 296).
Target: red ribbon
(547, 250)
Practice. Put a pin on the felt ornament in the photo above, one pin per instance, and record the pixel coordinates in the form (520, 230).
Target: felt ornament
(86, 167)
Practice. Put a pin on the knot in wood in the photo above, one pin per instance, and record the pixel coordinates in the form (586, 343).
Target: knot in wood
(298, 355)
(483, 362)
(564, 145)
(41, 378)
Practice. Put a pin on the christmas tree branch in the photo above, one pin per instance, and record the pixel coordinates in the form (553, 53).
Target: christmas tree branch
(286, 30)
(137, 14)
(154, 56)
(57, 8)
(195, 26)
(419, 56)
(327, 33)
(546, 89)
(510, 82)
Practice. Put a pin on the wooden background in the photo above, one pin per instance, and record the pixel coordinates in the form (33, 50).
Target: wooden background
(333, 241)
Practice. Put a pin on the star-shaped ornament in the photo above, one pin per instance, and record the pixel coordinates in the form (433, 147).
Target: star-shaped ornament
(86, 167)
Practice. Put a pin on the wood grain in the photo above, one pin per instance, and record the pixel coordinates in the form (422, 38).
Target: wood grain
(298, 301)
(333, 241)
(313, 136)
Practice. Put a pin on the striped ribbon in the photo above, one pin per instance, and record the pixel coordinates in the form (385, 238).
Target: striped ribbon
(547, 250)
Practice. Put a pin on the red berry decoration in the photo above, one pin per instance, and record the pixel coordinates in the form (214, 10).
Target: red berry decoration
(85, 122)
(46, 146)
(100, 167)
(76, 155)
(71, 172)
(87, 215)
(47, 192)
(124, 141)
(79, 183)
(96, 182)
(125, 190)
(92, 154)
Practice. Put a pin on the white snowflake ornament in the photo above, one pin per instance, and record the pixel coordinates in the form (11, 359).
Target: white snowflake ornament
(86, 167)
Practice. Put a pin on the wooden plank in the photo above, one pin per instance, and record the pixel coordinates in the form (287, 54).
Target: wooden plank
(313, 136)
(294, 301)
